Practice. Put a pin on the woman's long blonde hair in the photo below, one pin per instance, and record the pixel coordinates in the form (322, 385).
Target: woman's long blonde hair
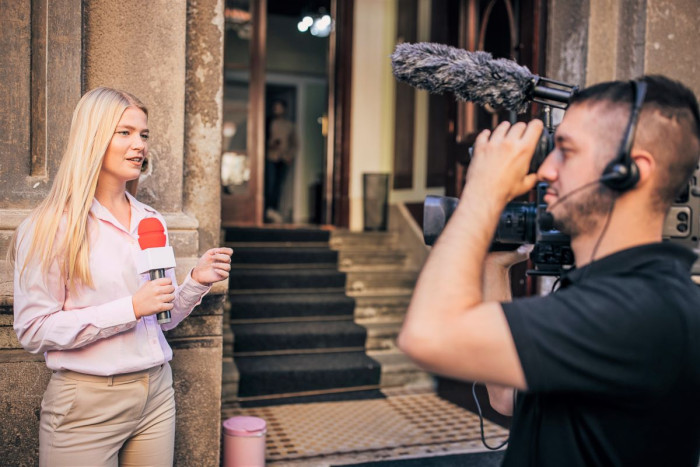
(94, 120)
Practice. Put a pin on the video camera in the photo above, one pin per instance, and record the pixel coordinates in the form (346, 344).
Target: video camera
(529, 223)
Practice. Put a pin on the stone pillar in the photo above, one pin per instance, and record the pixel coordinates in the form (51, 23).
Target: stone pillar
(600, 40)
(567, 38)
(140, 47)
(168, 53)
(199, 354)
(203, 117)
(40, 52)
(616, 47)
(671, 40)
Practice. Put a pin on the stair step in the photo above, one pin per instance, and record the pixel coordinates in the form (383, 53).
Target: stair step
(271, 234)
(372, 280)
(372, 308)
(399, 370)
(242, 279)
(293, 336)
(342, 240)
(380, 259)
(331, 395)
(256, 306)
(280, 244)
(297, 373)
(284, 255)
(382, 336)
(292, 291)
(229, 381)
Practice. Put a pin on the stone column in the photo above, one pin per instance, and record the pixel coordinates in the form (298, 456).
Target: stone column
(671, 40)
(599, 40)
(616, 41)
(168, 53)
(567, 38)
(40, 52)
(140, 47)
(203, 117)
(199, 352)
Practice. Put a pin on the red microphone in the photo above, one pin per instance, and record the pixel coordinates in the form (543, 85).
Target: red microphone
(154, 256)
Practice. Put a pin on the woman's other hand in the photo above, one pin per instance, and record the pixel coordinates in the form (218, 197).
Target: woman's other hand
(213, 266)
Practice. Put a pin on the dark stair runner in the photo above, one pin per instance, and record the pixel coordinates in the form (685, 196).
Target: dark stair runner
(294, 335)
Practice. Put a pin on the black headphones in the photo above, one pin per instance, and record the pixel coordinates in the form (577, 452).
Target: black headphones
(622, 173)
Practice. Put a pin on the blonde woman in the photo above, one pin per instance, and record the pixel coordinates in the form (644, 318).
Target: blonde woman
(79, 300)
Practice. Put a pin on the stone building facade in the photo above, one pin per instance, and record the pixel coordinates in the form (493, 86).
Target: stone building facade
(169, 53)
(590, 41)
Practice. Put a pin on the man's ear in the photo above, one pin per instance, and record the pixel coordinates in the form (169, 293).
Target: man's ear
(645, 163)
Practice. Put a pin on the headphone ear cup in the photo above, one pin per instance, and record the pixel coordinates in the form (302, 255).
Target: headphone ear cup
(620, 177)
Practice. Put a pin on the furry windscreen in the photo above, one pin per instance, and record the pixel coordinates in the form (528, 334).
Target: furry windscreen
(471, 76)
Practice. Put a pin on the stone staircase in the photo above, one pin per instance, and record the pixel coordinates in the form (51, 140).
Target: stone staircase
(381, 282)
(371, 270)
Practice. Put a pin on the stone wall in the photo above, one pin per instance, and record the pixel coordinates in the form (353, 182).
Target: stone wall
(591, 41)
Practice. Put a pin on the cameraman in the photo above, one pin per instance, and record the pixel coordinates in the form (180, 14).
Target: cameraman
(608, 366)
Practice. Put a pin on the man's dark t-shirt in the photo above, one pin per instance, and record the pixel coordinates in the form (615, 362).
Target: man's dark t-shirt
(612, 364)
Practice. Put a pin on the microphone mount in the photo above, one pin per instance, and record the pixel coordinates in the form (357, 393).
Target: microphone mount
(552, 93)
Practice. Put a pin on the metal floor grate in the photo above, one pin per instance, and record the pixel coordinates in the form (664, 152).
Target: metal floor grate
(403, 424)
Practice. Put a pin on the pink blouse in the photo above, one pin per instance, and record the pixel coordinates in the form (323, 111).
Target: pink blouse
(94, 331)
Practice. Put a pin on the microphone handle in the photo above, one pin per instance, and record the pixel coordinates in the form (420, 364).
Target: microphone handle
(163, 316)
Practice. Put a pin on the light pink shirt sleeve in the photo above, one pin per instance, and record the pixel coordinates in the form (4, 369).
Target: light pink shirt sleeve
(41, 323)
(187, 295)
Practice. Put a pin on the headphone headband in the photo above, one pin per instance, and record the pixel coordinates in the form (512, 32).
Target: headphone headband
(622, 173)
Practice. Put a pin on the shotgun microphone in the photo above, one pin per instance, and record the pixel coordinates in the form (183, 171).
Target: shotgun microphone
(476, 77)
(154, 256)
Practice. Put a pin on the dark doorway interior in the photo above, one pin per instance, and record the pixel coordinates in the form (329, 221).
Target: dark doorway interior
(281, 138)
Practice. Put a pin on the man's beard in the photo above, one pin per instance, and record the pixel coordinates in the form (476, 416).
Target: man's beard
(583, 213)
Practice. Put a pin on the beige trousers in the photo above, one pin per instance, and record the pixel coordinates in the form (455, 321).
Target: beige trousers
(125, 420)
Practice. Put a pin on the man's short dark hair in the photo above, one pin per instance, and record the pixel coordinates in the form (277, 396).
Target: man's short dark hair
(669, 127)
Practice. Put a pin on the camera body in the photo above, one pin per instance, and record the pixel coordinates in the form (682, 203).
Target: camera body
(529, 223)
(682, 224)
(520, 223)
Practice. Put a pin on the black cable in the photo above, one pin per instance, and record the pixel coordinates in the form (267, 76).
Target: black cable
(481, 420)
(600, 238)
(555, 284)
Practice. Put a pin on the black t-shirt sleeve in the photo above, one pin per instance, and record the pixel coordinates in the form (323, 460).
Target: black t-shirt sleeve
(598, 337)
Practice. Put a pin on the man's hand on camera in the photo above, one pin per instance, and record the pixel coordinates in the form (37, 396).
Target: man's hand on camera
(501, 161)
(505, 259)
(496, 279)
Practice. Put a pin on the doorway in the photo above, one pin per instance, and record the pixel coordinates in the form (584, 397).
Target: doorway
(270, 57)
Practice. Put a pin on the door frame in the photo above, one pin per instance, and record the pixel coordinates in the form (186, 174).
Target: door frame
(248, 206)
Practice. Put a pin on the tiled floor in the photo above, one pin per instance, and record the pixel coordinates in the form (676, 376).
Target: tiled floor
(405, 424)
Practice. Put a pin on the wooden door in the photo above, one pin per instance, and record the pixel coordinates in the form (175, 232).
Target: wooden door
(243, 159)
(243, 122)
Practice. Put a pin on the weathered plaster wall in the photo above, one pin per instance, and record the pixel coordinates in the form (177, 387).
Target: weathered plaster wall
(591, 41)
(203, 114)
(672, 40)
(40, 83)
(567, 36)
(198, 353)
(140, 47)
(175, 64)
(372, 97)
